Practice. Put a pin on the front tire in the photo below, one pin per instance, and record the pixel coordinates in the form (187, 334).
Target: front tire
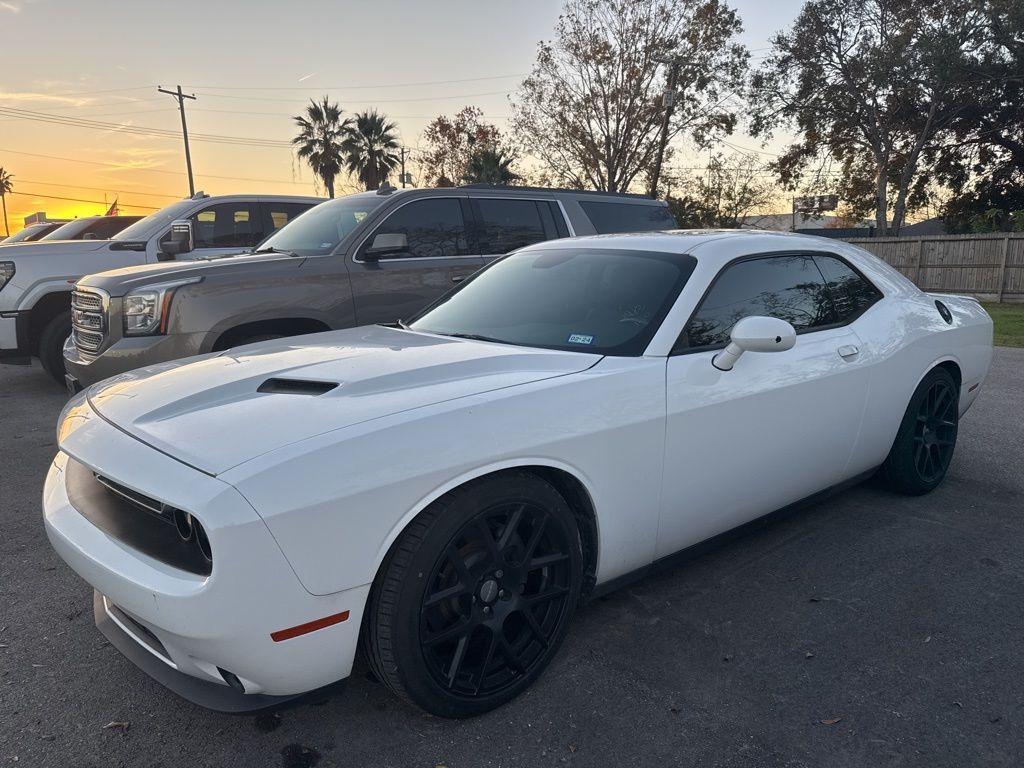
(474, 598)
(923, 449)
(51, 346)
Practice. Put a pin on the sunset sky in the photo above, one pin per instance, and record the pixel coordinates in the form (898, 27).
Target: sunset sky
(252, 64)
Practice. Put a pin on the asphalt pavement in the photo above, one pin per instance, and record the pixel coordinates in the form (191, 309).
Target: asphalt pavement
(866, 630)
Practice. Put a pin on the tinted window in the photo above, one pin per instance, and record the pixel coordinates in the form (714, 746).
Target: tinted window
(787, 287)
(509, 224)
(107, 226)
(599, 301)
(322, 228)
(279, 214)
(434, 229)
(626, 217)
(851, 293)
(228, 225)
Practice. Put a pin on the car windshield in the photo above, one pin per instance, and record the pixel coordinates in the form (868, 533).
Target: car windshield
(320, 229)
(26, 233)
(601, 301)
(141, 229)
(68, 231)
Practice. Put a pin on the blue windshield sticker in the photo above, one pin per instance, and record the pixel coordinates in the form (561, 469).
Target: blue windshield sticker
(580, 338)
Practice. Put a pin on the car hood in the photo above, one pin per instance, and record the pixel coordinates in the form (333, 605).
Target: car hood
(42, 248)
(118, 282)
(211, 413)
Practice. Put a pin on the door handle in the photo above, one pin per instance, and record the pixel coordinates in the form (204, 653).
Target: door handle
(847, 351)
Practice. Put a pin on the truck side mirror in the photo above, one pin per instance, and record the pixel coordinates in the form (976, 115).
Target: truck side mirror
(181, 240)
(386, 245)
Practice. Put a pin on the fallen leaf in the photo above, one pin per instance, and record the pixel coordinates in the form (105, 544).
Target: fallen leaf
(808, 655)
(831, 721)
(928, 639)
(573, 748)
(116, 724)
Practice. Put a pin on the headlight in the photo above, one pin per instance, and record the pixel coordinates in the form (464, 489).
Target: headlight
(145, 310)
(6, 272)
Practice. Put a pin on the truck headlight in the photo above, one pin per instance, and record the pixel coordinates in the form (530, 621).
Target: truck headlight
(6, 272)
(146, 310)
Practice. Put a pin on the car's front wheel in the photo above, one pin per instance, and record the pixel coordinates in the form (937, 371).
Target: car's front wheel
(474, 598)
(924, 444)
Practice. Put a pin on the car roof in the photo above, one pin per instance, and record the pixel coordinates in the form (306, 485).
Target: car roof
(704, 244)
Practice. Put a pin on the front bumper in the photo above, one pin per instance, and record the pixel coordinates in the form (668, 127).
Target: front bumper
(200, 626)
(127, 354)
(14, 343)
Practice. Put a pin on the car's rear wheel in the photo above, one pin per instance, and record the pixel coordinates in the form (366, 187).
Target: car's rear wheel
(923, 449)
(475, 597)
(51, 345)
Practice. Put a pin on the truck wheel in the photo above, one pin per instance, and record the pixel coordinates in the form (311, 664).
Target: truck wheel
(51, 345)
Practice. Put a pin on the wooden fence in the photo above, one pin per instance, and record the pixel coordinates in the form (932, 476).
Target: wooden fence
(989, 266)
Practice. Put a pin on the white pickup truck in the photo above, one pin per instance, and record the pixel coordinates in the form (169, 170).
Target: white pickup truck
(36, 279)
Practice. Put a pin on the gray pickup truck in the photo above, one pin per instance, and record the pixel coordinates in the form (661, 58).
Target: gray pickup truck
(372, 257)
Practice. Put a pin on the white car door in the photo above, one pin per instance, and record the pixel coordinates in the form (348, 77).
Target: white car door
(776, 428)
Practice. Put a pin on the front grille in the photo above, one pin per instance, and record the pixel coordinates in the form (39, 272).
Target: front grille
(88, 321)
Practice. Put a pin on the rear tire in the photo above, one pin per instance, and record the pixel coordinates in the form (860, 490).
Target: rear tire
(924, 444)
(474, 598)
(51, 346)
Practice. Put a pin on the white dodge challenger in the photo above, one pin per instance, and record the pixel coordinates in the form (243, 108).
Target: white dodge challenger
(444, 492)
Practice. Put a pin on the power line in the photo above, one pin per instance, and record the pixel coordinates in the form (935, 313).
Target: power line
(374, 101)
(352, 87)
(94, 189)
(121, 167)
(80, 200)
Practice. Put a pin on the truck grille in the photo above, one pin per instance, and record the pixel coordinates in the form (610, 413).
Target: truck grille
(88, 323)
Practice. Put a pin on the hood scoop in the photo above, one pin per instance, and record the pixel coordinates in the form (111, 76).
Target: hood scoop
(279, 386)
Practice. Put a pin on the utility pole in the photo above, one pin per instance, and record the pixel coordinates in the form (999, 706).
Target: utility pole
(184, 132)
(669, 103)
(403, 168)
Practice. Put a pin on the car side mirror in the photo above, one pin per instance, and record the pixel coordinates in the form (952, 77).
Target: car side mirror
(181, 240)
(386, 245)
(755, 334)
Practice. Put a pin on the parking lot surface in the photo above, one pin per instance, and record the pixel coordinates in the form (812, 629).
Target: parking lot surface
(864, 630)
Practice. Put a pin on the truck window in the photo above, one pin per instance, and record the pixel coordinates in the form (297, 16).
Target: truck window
(279, 214)
(609, 218)
(227, 225)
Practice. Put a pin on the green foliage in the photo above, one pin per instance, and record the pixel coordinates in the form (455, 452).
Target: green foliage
(322, 132)
(732, 189)
(490, 165)
(1009, 323)
(452, 143)
(371, 149)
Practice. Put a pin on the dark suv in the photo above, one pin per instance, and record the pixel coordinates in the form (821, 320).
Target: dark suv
(373, 257)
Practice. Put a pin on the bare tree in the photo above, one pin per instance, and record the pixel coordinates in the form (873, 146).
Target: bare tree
(591, 109)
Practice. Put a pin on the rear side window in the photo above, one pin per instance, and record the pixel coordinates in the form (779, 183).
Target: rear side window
(508, 224)
(108, 226)
(227, 225)
(609, 218)
(787, 287)
(851, 293)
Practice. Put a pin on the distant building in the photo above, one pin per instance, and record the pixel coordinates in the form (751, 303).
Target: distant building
(40, 217)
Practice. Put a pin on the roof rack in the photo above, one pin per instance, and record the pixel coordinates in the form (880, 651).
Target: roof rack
(513, 188)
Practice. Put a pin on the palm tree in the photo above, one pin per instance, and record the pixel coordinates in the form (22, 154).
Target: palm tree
(490, 165)
(322, 131)
(5, 187)
(371, 149)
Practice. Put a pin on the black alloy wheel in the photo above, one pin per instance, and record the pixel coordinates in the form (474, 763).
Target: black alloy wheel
(475, 597)
(935, 432)
(495, 599)
(924, 445)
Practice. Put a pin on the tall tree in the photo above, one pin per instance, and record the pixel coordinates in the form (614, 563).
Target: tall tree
(490, 165)
(371, 149)
(322, 132)
(6, 185)
(875, 85)
(451, 143)
(591, 109)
